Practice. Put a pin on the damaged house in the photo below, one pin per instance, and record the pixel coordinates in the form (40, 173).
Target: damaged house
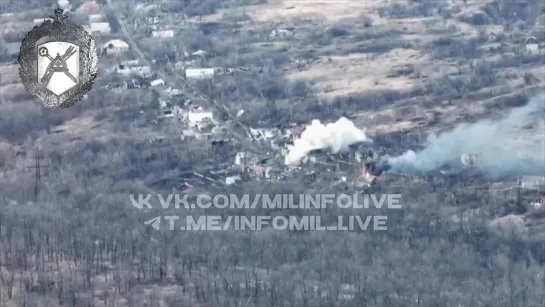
(163, 99)
(274, 137)
(169, 100)
(253, 165)
(200, 120)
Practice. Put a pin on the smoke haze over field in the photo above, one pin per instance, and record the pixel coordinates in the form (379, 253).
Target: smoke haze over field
(489, 140)
(335, 136)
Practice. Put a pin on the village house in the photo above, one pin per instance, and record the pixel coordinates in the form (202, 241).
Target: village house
(253, 165)
(168, 100)
(115, 46)
(163, 34)
(232, 179)
(199, 73)
(157, 82)
(163, 99)
(282, 32)
(90, 7)
(141, 71)
(100, 28)
(130, 63)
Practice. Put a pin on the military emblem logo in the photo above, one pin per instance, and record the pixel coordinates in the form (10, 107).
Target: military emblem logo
(58, 62)
(60, 73)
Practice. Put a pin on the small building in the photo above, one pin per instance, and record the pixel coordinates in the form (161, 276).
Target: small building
(282, 32)
(199, 73)
(115, 46)
(531, 45)
(157, 82)
(163, 34)
(100, 28)
(232, 179)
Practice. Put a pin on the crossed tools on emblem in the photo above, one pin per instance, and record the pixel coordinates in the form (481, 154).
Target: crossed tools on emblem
(57, 64)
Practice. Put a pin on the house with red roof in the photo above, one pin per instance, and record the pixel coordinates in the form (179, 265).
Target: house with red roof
(89, 7)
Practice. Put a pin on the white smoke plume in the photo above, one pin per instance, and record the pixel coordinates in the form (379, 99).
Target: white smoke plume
(335, 136)
(491, 141)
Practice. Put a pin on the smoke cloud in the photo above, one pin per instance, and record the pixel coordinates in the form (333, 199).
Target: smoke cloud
(336, 136)
(491, 141)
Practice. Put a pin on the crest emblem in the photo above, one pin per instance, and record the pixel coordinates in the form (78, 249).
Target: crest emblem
(58, 62)
(58, 66)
